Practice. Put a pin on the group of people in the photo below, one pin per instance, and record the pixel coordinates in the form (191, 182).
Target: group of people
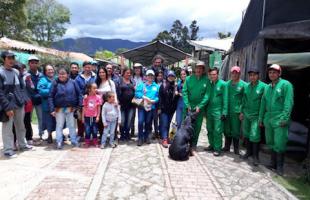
(96, 101)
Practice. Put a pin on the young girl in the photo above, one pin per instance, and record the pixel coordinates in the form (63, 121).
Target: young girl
(91, 114)
(111, 115)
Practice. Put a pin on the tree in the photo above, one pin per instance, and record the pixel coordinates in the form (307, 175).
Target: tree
(194, 30)
(119, 51)
(164, 37)
(105, 54)
(46, 19)
(13, 20)
(223, 35)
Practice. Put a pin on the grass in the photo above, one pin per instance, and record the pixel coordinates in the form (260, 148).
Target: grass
(297, 186)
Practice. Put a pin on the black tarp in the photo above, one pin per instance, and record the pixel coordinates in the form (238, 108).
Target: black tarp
(274, 12)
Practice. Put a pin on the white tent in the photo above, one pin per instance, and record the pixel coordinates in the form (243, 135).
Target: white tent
(212, 44)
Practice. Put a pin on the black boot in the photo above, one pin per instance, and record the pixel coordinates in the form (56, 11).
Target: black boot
(280, 162)
(140, 142)
(255, 153)
(272, 165)
(236, 146)
(227, 144)
(248, 152)
(50, 138)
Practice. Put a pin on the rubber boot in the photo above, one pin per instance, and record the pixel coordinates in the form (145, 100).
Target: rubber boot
(272, 165)
(95, 142)
(280, 162)
(255, 153)
(87, 143)
(227, 144)
(248, 152)
(236, 146)
(50, 138)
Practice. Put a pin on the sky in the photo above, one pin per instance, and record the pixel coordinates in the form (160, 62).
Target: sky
(142, 20)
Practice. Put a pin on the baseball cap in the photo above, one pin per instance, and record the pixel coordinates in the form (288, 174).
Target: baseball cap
(137, 65)
(33, 57)
(235, 69)
(201, 63)
(253, 69)
(171, 73)
(7, 54)
(150, 72)
(275, 67)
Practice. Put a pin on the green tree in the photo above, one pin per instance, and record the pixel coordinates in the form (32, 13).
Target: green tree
(194, 30)
(119, 51)
(13, 20)
(223, 35)
(164, 37)
(105, 54)
(47, 20)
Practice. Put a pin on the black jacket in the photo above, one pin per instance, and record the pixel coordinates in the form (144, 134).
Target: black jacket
(167, 98)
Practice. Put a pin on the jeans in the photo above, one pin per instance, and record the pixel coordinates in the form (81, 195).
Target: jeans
(165, 120)
(110, 129)
(7, 132)
(38, 109)
(155, 120)
(127, 115)
(179, 112)
(61, 118)
(90, 127)
(144, 123)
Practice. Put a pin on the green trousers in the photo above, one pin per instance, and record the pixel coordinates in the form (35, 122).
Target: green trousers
(215, 132)
(197, 126)
(232, 126)
(251, 129)
(276, 135)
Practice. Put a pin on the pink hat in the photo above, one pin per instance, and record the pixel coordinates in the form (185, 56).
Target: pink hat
(235, 69)
(275, 67)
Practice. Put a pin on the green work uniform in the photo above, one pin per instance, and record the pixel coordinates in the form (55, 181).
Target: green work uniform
(276, 106)
(250, 108)
(235, 95)
(216, 107)
(194, 95)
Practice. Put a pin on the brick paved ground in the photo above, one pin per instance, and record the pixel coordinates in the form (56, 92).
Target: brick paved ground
(129, 172)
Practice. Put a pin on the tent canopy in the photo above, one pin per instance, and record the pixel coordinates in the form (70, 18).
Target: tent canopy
(291, 61)
(146, 53)
(212, 44)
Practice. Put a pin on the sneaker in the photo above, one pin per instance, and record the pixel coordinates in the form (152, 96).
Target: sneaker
(113, 145)
(216, 153)
(30, 142)
(77, 144)
(59, 145)
(102, 146)
(165, 143)
(26, 148)
(10, 155)
(209, 148)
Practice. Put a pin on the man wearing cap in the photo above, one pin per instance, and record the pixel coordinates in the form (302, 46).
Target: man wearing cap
(216, 111)
(12, 101)
(87, 76)
(235, 88)
(195, 97)
(275, 111)
(31, 79)
(251, 102)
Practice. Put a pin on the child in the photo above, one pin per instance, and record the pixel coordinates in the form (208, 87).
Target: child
(91, 114)
(111, 115)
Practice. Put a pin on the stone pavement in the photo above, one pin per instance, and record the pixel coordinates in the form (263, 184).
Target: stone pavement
(129, 172)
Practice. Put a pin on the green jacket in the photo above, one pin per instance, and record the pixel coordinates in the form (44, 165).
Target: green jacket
(194, 91)
(252, 99)
(277, 102)
(235, 95)
(218, 99)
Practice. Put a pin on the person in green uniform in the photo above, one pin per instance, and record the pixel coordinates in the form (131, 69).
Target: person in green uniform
(195, 98)
(216, 111)
(235, 88)
(275, 111)
(251, 102)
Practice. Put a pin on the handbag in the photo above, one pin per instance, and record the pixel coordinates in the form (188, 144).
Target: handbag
(137, 102)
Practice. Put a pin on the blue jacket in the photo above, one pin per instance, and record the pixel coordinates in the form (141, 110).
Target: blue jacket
(64, 94)
(150, 91)
(81, 82)
(44, 87)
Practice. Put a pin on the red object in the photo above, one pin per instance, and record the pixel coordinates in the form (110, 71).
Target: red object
(275, 67)
(28, 106)
(235, 69)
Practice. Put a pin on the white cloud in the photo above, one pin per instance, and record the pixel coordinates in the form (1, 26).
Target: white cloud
(141, 20)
